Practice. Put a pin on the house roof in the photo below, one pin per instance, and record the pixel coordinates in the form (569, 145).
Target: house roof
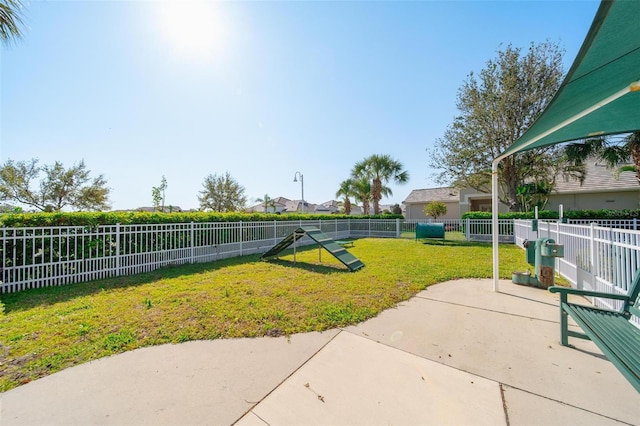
(259, 208)
(599, 178)
(446, 195)
(281, 200)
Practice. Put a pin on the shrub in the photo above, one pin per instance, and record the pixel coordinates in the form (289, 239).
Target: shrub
(93, 219)
(435, 209)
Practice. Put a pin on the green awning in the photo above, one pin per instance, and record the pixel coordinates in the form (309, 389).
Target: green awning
(601, 92)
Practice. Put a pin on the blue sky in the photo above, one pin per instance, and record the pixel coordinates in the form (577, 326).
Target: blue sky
(141, 89)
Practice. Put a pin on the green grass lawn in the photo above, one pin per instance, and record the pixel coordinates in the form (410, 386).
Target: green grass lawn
(47, 330)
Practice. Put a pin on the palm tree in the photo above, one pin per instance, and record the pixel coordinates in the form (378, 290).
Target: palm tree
(611, 150)
(362, 192)
(380, 169)
(266, 202)
(346, 191)
(10, 20)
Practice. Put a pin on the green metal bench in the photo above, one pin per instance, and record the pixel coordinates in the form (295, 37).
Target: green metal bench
(612, 331)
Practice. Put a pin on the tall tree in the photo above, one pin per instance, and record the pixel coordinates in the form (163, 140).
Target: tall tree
(10, 20)
(379, 170)
(158, 194)
(222, 193)
(346, 192)
(58, 188)
(495, 109)
(613, 150)
(362, 193)
(267, 202)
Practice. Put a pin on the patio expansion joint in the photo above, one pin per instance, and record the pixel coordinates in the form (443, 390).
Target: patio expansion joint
(504, 404)
(424, 357)
(505, 388)
(255, 403)
(501, 386)
(485, 309)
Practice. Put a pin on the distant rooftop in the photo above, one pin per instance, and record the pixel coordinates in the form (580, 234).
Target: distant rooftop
(599, 178)
(428, 195)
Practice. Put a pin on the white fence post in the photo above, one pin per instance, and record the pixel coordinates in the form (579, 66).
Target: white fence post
(467, 229)
(117, 249)
(593, 259)
(141, 248)
(192, 243)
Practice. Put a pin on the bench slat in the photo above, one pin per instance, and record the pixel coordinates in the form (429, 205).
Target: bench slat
(613, 334)
(612, 324)
(616, 336)
(614, 329)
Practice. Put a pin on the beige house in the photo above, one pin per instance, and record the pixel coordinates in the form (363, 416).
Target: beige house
(419, 198)
(602, 189)
(281, 205)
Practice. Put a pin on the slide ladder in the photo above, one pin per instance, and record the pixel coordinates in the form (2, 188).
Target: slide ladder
(339, 252)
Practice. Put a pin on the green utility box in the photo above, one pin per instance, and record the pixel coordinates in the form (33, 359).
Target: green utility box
(429, 230)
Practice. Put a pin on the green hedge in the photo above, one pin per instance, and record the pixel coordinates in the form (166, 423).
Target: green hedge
(19, 220)
(569, 214)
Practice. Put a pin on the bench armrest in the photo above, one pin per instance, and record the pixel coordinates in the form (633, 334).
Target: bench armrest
(569, 290)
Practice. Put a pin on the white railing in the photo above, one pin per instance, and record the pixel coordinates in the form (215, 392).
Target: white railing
(48, 256)
(450, 225)
(41, 257)
(595, 257)
(480, 230)
(608, 223)
(474, 229)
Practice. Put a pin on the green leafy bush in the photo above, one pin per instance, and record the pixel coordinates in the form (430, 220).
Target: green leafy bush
(93, 219)
(435, 209)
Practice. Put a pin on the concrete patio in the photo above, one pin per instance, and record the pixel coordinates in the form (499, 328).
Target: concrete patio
(457, 353)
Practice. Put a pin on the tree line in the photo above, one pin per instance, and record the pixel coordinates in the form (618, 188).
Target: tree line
(53, 188)
(495, 108)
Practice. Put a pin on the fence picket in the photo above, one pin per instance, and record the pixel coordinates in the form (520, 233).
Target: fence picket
(40, 257)
(595, 257)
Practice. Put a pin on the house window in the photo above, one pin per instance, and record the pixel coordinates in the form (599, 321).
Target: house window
(480, 205)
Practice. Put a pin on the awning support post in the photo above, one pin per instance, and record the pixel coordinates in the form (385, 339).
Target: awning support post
(494, 222)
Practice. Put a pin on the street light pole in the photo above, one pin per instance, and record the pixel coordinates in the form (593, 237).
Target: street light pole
(295, 179)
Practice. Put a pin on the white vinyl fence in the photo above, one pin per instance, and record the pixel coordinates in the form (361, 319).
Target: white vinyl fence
(595, 257)
(41, 257)
(50, 256)
(473, 229)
